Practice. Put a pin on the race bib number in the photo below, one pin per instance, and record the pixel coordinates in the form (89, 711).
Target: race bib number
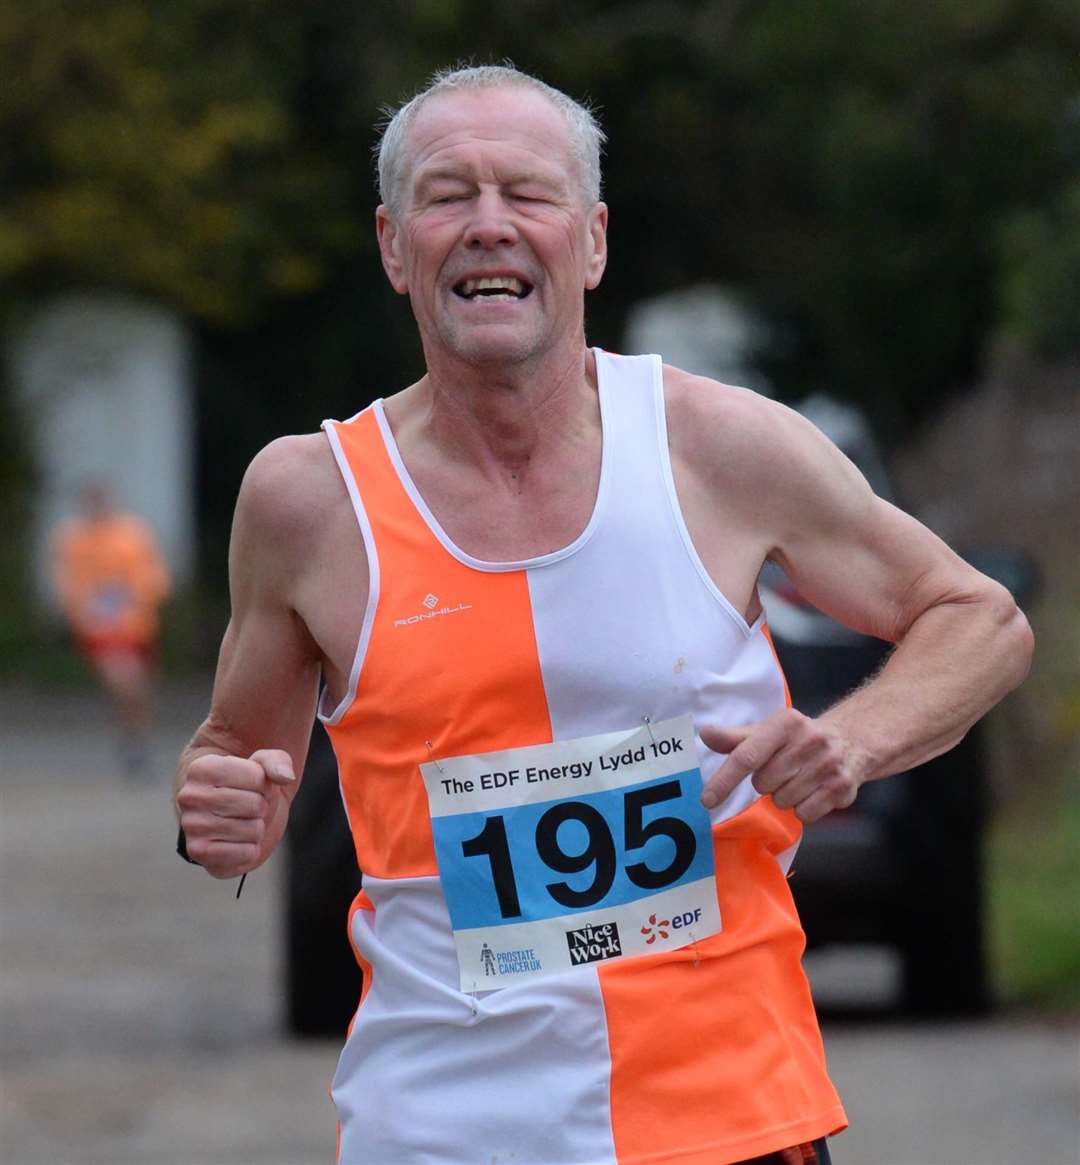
(559, 855)
(106, 606)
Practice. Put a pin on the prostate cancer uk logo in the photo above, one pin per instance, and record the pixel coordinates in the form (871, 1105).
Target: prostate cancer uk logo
(590, 944)
(514, 962)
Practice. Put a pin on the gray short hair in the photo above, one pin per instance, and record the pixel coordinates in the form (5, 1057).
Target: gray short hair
(586, 136)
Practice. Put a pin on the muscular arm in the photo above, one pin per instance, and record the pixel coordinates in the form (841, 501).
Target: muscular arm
(238, 776)
(961, 642)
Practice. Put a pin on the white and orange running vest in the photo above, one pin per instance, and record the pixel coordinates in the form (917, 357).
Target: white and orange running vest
(701, 1052)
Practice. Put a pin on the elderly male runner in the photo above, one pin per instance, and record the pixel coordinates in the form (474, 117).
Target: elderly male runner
(527, 582)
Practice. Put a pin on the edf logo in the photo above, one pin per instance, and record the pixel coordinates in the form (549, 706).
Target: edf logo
(687, 919)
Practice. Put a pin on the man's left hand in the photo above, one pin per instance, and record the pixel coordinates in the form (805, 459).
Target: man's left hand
(803, 764)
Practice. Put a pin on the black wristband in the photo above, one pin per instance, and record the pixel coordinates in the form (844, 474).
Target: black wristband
(181, 847)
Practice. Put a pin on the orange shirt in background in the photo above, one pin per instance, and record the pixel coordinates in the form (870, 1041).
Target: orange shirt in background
(111, 578)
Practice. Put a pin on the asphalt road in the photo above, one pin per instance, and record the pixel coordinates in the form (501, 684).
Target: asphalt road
(140, 1003)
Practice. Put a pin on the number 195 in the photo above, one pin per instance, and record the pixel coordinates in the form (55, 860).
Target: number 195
(600, 851)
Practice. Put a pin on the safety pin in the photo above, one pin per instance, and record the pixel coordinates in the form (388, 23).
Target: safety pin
(648, 725)
(432, 755)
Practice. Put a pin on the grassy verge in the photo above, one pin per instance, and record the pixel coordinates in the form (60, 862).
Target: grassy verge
(1034, 901)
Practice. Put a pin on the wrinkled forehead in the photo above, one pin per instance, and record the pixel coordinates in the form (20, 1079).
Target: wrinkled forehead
(514, 121)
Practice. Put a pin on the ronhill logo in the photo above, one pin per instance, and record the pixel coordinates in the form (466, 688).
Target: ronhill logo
(431, 602)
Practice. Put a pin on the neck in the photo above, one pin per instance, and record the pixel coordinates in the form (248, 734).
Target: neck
(501, 418)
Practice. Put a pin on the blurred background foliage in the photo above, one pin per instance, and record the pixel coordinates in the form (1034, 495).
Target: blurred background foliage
(893, 183)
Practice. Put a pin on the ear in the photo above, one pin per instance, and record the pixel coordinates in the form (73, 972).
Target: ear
(596, 259)
(386, 230)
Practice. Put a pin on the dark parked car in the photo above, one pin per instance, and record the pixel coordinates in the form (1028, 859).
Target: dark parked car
(902, 866)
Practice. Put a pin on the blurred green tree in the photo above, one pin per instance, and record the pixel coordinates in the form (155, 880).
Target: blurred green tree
(155, 147)
(1040, 257)
(894, 182)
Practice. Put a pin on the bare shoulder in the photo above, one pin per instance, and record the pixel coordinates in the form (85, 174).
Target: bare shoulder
(715, 421)
(757, 454)
(291, 491)
(287, 483)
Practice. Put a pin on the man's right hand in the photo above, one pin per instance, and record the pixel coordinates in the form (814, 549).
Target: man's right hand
(233, 811)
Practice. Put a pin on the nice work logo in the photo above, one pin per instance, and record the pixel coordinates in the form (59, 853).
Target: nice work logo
(592, 943)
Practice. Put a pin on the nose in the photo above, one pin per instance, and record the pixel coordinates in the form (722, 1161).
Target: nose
(491, 223)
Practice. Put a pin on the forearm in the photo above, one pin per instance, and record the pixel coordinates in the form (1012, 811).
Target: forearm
(954, 663)
(262, 699)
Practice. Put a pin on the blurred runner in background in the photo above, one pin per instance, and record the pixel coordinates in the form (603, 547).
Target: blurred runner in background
(111, 579)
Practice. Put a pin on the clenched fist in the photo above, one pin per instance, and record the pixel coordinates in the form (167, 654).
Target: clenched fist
(233, 811)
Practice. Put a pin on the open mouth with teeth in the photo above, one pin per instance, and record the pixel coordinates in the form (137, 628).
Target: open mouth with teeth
(492, 287)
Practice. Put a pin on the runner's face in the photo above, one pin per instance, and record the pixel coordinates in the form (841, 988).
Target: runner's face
(493, 192)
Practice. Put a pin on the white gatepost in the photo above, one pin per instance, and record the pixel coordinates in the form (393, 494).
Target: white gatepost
(103, 384)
